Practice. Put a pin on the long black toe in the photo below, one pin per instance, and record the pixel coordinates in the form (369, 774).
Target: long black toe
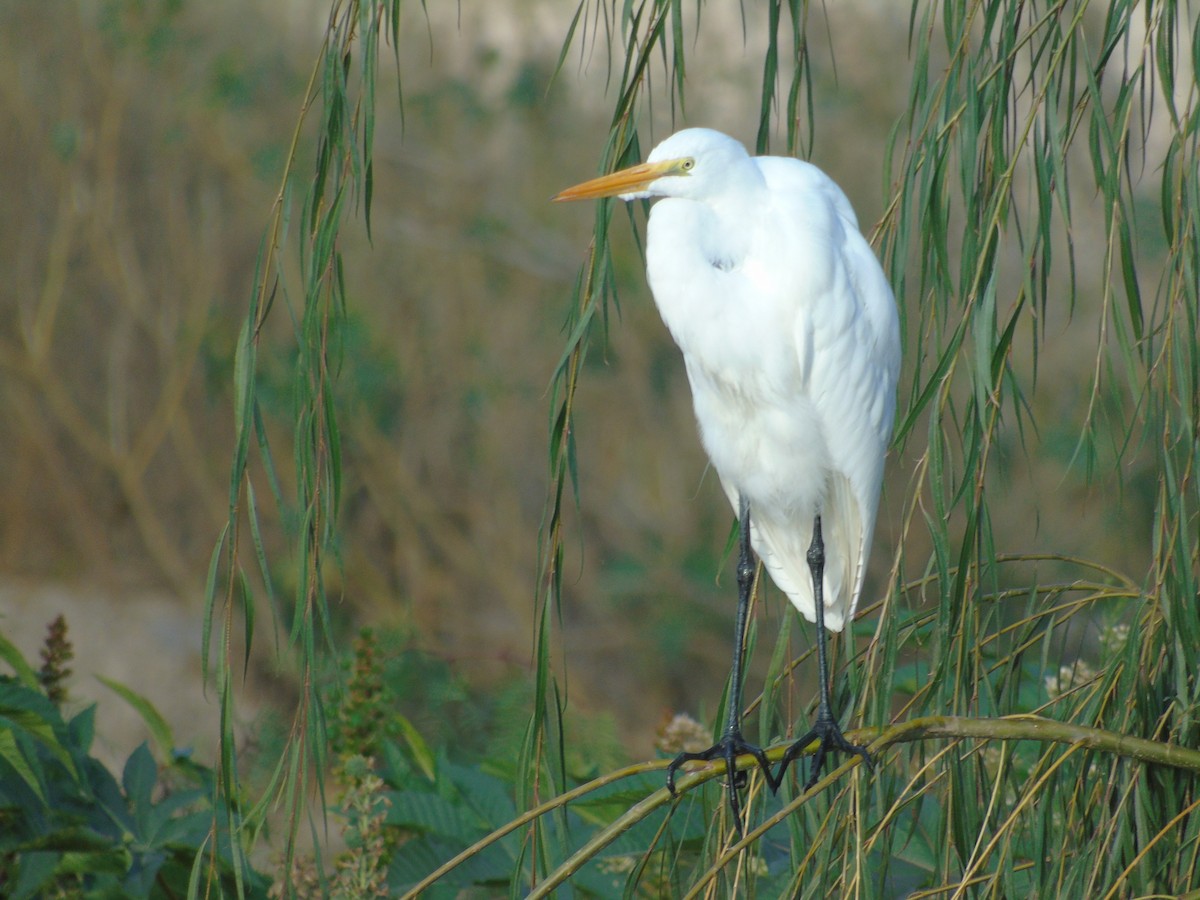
(829, 737)
(728, 748)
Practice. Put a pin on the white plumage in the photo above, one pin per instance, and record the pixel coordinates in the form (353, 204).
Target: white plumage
(789, 333)
(790, 337)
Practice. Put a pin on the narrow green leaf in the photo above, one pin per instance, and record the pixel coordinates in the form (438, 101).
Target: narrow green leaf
(422, 755)
(11, 753)
(160, 730)
(16, 660)
(1133, 294)
(210, 599)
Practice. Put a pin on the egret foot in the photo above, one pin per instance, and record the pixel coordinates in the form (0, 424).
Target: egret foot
(826, 731)
(728, 748)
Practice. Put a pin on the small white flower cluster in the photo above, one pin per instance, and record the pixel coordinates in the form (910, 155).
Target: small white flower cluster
(1068, 677)
(684, 733)
(1113, 638)
(618, 865)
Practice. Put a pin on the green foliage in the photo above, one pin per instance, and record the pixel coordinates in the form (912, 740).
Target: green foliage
(1017, 114)
(342, 180)
(393, 693)
(417, 807)
(365, 715)
(463, 832)
(68, 828)
(1029, 699)
(425, 769)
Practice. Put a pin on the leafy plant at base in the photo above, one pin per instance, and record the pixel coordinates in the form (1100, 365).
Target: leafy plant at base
(69, 828)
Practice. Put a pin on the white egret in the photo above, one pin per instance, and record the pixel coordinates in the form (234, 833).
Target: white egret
(790, 337)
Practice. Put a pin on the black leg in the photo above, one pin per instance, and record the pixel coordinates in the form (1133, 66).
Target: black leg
(732, 744)
(825, 729)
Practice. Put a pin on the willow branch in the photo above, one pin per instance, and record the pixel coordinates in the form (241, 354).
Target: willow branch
(1008, 728)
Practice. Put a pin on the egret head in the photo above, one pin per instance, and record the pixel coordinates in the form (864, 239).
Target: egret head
(693, 163)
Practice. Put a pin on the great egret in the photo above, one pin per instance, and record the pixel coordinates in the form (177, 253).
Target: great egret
(790, 337)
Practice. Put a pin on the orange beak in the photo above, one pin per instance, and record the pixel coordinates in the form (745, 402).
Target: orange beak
(627, 181)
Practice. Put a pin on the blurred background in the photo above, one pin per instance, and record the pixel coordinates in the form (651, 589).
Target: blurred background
(141, 149)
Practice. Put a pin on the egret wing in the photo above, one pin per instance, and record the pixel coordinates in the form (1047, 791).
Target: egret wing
(846, 339)
(853, 388)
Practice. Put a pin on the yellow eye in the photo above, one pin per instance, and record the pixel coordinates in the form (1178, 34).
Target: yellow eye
(687, 165)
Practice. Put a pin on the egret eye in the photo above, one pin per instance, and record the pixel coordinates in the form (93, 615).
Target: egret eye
(687, 165)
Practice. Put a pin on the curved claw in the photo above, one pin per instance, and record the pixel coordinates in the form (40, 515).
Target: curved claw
(729, 748)
(829, 737)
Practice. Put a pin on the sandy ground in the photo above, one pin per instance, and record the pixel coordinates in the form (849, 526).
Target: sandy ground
(148, 641)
